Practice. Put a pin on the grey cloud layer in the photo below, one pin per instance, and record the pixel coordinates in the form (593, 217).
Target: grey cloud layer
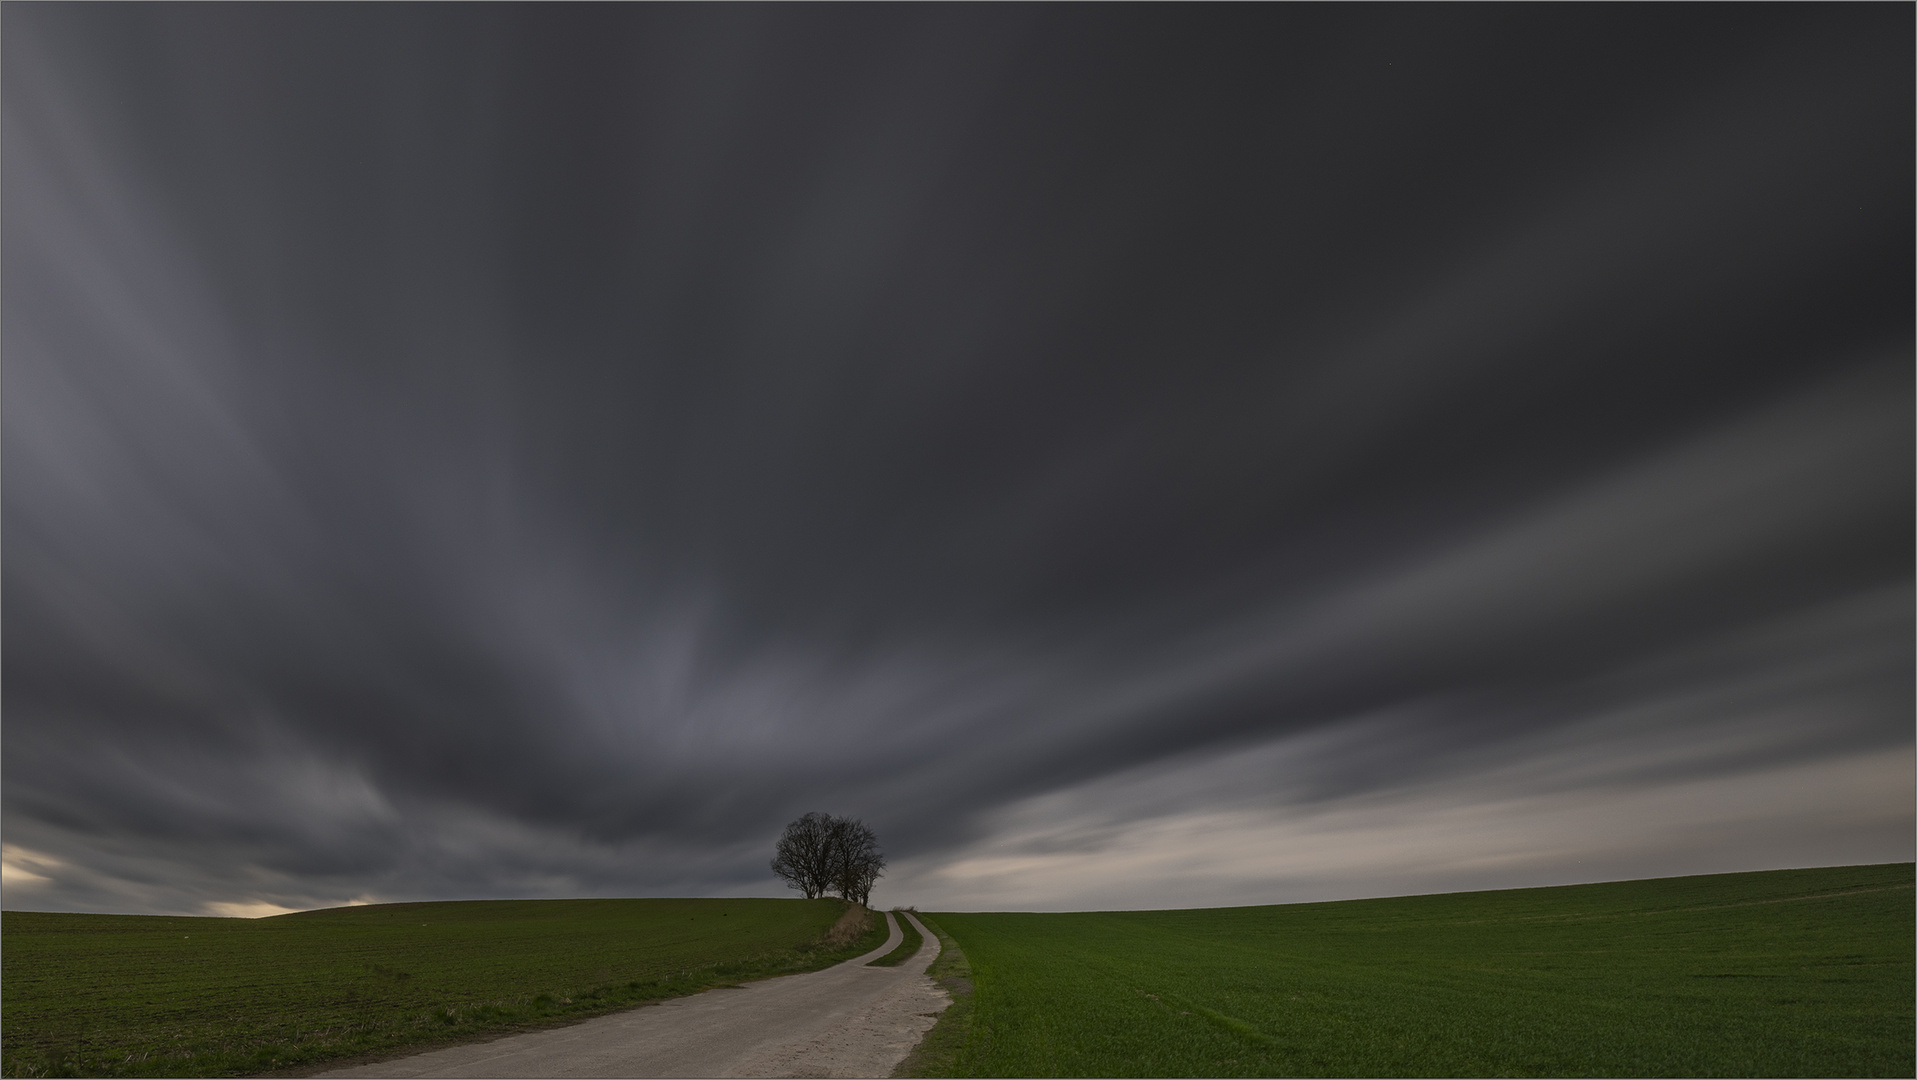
(501, 451)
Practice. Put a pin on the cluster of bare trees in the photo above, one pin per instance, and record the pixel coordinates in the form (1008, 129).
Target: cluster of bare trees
(820, 853)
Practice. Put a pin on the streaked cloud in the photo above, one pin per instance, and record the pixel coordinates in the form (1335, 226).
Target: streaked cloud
(1126, 456)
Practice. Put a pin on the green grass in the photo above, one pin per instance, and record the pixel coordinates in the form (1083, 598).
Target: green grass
(938, 1053)
(127, 995)
(907, 948)
(1783, 973)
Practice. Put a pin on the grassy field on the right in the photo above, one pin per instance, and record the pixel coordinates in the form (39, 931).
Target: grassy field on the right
(1780, 973)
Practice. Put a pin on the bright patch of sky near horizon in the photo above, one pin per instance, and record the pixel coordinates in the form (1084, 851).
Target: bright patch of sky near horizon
(1130, 457)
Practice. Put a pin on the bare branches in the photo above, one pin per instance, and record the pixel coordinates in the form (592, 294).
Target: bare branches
(820, 852)
(803, 855)
(856, 859)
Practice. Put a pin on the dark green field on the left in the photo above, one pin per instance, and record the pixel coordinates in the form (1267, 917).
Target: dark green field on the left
(136, 995)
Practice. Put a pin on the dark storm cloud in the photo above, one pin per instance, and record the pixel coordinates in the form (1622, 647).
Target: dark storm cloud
(493, 450)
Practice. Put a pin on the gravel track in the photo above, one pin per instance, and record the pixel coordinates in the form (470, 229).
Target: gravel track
(848, 1020)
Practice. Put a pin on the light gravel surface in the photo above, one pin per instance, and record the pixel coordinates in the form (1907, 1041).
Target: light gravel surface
(848, 1020)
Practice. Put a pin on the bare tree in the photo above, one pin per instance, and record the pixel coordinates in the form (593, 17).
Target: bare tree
(820, 852)
(803, 855)
(856, 859)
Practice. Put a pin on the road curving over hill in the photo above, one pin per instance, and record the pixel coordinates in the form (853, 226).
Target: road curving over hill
(848, 1020)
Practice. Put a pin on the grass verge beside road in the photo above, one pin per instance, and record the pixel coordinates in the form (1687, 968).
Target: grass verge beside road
(939, 1052)
(126, 995)
(1782, 973)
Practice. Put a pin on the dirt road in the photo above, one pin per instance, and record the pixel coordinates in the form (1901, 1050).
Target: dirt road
(848, 1020)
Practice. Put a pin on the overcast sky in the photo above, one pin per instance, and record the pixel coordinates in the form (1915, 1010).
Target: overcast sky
(1130, 456)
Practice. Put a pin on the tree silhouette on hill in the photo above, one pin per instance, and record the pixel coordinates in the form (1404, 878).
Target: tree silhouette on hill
(819, 853)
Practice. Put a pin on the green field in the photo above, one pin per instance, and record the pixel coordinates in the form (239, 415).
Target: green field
(906, 949)
(1783, 973)
(129, 995)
